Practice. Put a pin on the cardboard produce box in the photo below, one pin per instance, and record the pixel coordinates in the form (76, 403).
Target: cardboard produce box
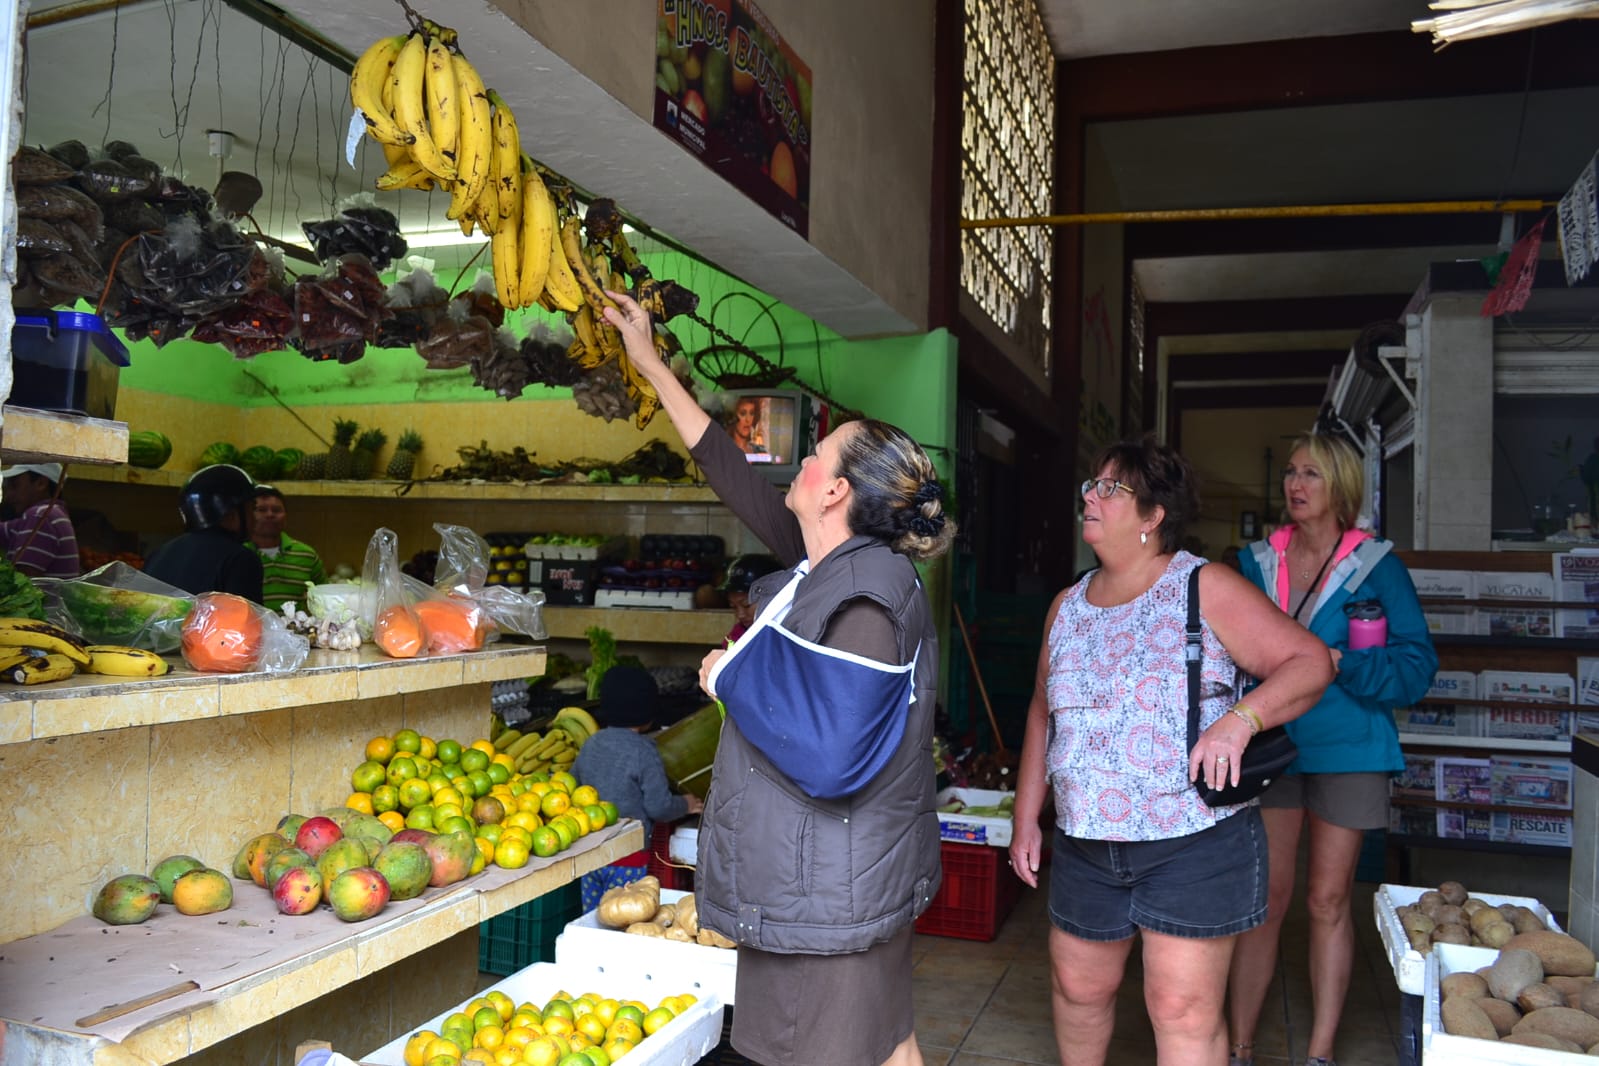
(962, 828)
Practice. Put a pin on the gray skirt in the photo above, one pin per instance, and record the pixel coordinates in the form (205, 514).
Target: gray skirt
(824, 1010)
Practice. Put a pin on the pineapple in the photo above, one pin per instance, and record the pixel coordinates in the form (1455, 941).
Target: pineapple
(404, 460)
(367, 446)
(313, 467)
(339, 460)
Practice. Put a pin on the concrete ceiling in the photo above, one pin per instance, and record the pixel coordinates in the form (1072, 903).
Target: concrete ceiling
(1079, 28)
(181, 67)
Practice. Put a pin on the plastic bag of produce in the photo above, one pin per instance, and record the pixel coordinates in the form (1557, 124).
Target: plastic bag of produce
(463, 570)
(117, 604)
(227, 634)
(396, 628)
(346, 602)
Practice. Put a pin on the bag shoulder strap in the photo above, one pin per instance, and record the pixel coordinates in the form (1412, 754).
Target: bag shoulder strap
(1194, 653)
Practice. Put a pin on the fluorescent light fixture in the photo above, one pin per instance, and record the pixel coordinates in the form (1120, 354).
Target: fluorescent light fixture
(442, 238)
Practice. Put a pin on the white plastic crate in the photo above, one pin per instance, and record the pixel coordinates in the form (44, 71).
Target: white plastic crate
(671, 964)
(682, 1042)
(961, 828)
(1438, 1048)
(1410, 966)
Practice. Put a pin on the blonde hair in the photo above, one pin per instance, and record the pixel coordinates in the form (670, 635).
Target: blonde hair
(1340, 468)
(894, 490)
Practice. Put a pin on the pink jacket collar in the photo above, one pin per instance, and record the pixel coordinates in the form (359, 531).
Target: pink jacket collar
(1279, 544)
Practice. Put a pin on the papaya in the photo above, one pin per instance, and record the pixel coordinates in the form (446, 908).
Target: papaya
(452, 624)
(222, 634)
(399, 632)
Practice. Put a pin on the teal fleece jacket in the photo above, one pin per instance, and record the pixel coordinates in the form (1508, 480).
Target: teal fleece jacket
(1351, 728)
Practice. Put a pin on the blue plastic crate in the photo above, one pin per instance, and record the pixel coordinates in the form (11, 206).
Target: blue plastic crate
(524, 935)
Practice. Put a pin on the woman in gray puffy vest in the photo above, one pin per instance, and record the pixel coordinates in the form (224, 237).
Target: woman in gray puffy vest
(819, 842)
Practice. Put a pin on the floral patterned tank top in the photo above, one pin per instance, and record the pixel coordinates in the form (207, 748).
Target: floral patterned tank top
(1118, 698)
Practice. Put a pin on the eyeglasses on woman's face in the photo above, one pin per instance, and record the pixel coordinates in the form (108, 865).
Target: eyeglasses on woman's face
(1104, 487)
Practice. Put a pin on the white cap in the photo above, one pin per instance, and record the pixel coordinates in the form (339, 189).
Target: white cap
(48, 471)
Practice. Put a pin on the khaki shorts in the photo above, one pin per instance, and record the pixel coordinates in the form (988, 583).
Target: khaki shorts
(1353, 801)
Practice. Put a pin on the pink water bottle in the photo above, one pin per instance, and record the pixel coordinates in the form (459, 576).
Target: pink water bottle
(1368, 626)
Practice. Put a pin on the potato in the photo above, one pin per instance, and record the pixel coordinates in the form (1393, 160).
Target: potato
(1538, 996)
(1526, 920)
(1472, 905)
(1465, 985)
(1577, 1026)
(645, 929)
(665, 915)
(1511, 972)
(677, 932)
(1568, 985)
(1417, 922)
(1453, 892)
(1543, 1040)
(1560, 954)
(1421, 942)
(1451, 934)
(1503, 1015)
(1464, 1017)
(1497, 934)
(1485, 917)
(1588, 999)
(1449, 914)
(711, 938)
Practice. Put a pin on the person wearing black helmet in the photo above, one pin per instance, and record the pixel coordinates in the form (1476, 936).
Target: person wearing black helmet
(211, 554)
(742, 572)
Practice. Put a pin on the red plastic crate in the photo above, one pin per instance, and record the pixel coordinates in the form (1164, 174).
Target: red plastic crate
(977, 895)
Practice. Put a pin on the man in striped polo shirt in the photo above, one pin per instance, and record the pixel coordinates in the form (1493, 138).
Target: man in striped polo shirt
(286, 564)
(40, 541)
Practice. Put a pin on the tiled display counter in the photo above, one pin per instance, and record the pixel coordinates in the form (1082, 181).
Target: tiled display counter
(109, 778)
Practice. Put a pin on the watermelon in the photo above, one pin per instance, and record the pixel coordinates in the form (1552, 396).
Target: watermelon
(260, 462)
(220, 452)
(148, 448)
(289, 461)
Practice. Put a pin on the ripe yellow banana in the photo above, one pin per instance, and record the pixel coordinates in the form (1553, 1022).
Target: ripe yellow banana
(369, 80)
(31, 633)
(507, 158)
(538, 225)
(506, 249)
(475, 143)
(485, 211)
(123, 661)
(439, 94)
(410, 107)
(559, 282)
(406, 174)
(39, 669)
(572, 245)
(582, 717)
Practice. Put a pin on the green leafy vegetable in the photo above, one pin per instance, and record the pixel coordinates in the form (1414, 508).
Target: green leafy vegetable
(602, 652)
(19, 597)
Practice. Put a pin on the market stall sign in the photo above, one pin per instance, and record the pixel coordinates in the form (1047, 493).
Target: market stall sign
(734, 94)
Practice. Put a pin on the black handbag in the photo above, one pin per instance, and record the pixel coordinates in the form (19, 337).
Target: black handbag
(1268, 753)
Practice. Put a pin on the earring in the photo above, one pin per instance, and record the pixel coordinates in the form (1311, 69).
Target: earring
(1143, 537)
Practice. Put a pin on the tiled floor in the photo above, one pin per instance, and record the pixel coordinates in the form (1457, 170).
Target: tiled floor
(987, 1004)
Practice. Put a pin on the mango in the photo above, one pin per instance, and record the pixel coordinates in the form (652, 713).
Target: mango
(298, 890)
(283, 861)
(343, 854)
(202, 891)
(170, 869)
(406, 867)
(251, 860)
(127, 900)
(451, 855)
(339, 816)
(316, 835)
(289, 825)
(358, 894)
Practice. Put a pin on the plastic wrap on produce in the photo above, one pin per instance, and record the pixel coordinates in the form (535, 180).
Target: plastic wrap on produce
(117, 604)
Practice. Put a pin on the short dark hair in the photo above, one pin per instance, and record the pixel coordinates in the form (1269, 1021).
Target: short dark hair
(1158, 476)
(268, 491)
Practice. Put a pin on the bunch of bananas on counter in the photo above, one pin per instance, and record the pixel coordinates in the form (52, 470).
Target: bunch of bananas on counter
(441, 128)
(555, 748)
(34, 652)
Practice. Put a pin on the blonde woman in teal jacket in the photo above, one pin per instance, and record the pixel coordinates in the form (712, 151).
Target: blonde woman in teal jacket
(1314, 567)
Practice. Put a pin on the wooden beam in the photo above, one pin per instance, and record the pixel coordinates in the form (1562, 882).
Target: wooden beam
(1252, 366)
(1359, 68)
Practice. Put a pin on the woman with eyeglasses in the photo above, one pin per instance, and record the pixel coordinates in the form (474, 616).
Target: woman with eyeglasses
(1135, 849)
(1349, 591)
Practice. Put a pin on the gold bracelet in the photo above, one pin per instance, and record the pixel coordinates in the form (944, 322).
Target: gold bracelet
(1247, 713)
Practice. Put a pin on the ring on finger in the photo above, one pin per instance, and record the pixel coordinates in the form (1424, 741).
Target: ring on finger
(1222, 759)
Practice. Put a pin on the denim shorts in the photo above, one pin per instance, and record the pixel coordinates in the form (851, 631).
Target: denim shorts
(1207, 884)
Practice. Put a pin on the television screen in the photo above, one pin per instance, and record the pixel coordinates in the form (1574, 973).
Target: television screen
(766, 428)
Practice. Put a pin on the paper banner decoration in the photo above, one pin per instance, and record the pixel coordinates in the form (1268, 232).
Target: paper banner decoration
(1515, 278)
(1579, 225)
